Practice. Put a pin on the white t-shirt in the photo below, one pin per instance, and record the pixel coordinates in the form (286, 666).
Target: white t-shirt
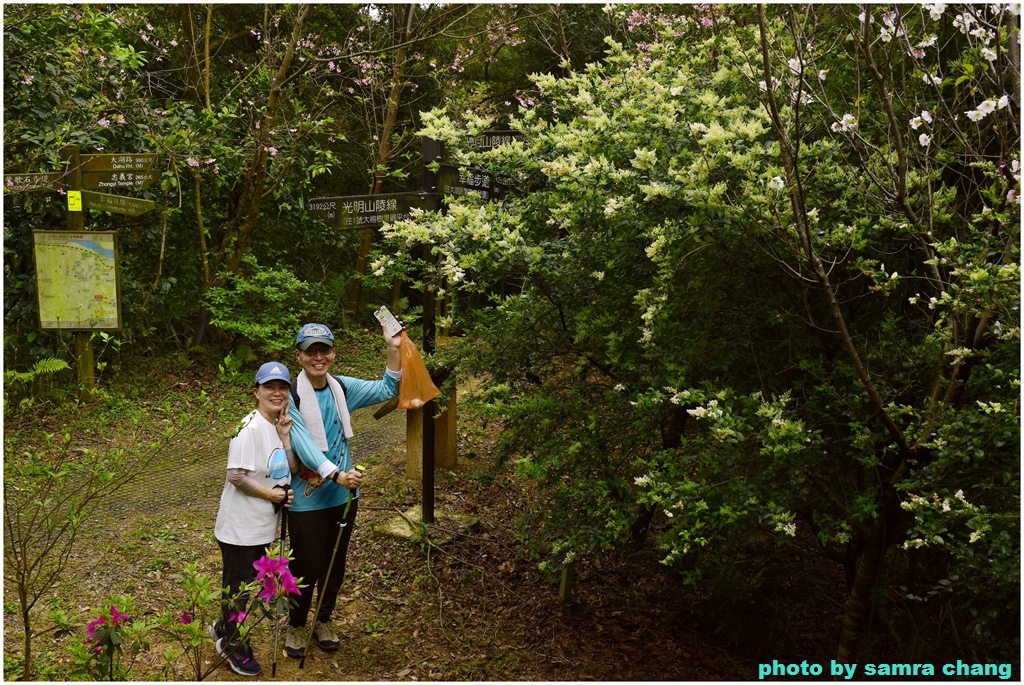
(246, 520)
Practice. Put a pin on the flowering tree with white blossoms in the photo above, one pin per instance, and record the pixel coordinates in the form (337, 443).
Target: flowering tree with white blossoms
(759, 312)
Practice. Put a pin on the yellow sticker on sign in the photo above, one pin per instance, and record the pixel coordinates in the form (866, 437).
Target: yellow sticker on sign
(74, 200)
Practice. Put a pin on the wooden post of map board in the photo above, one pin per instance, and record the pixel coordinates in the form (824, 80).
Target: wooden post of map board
(83, 339)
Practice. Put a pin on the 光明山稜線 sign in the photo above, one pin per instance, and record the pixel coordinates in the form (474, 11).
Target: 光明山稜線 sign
(366, 211)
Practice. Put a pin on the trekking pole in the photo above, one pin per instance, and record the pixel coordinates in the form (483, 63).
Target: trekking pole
(327, 576)
(277, 622)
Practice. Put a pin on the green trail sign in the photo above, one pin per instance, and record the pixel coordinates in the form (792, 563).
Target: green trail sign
(26, 183)
(95, 180)
(117, 204)
(118, 162)
(366, 211)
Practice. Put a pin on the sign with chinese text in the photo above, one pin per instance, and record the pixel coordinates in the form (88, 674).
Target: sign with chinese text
(119, 162)
(77, 280)
(454, 181)
(26, 183)
(366, 211)
(488, 140)
(96, 180)
(117, 204)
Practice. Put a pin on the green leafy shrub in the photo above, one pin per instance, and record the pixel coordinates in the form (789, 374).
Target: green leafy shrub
(263, 306)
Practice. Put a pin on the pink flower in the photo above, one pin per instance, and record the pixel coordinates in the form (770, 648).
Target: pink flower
(116, 617)
(91, 629)
(278, 580)
(186, 618)
(237, 616)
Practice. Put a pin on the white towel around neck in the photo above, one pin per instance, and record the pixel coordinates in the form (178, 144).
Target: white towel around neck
(310, 409)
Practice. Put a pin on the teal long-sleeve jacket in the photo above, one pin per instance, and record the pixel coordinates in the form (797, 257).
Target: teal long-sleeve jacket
(312, 489)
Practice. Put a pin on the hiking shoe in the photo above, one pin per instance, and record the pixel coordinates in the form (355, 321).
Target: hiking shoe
(216, 631)
(326, 636)
(295, 642)
(239, 657)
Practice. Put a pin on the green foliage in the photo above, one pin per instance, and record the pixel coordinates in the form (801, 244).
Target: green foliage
(231, 368)
(52, 486)
(187, 623)
(28, 387)
(752, 301)
(115, 638)
(264, 306)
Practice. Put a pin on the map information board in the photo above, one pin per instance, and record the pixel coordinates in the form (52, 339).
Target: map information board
(76, 280)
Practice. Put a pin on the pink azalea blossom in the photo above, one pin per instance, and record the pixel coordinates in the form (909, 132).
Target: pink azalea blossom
(277, 579)
(91, 629)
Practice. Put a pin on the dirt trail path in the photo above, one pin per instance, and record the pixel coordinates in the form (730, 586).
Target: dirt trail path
(471, 607)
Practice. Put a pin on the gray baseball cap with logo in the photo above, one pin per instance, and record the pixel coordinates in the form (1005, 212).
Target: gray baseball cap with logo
(313, 333)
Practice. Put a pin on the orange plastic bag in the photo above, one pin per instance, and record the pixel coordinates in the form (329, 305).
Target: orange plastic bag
(416, 388)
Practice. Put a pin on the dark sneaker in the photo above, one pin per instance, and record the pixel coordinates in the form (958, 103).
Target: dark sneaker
(295, 642)
(216, 631)
(239, 657)
(326, 636)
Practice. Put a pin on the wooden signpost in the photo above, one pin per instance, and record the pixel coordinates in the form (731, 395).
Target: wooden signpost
(453, 181)
(62, 255)
(373, 211)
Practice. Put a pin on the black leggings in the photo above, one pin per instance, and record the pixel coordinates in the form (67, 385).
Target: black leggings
(238, 569)
(312, 535)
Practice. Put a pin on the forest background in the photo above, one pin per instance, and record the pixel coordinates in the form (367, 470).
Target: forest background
(755, 287)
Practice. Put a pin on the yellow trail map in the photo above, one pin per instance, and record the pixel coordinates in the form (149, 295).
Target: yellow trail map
(76, 280)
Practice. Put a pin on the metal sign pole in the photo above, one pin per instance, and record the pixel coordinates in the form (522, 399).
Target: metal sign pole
(432, 150)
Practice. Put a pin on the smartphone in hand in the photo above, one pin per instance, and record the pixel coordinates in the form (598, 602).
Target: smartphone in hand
(388, 320)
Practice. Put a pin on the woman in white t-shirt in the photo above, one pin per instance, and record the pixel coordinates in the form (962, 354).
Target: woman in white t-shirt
(260, 463)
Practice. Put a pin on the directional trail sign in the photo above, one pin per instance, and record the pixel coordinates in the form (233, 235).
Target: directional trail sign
(119, 162)
(26, 183)
(118, 204)
(367, 211)
(488, 140)
(454, 180)
(95, 180)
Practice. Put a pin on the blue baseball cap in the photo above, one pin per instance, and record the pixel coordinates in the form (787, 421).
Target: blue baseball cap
(273, 371)
(313, 333)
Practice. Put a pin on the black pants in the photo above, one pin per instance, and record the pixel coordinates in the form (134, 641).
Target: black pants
(312, 535)
(238, 569)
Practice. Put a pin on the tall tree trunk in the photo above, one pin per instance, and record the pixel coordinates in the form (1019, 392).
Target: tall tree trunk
(383, 157)
(27, 665)
(234, 243)
(242, 223)
(858, 604)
